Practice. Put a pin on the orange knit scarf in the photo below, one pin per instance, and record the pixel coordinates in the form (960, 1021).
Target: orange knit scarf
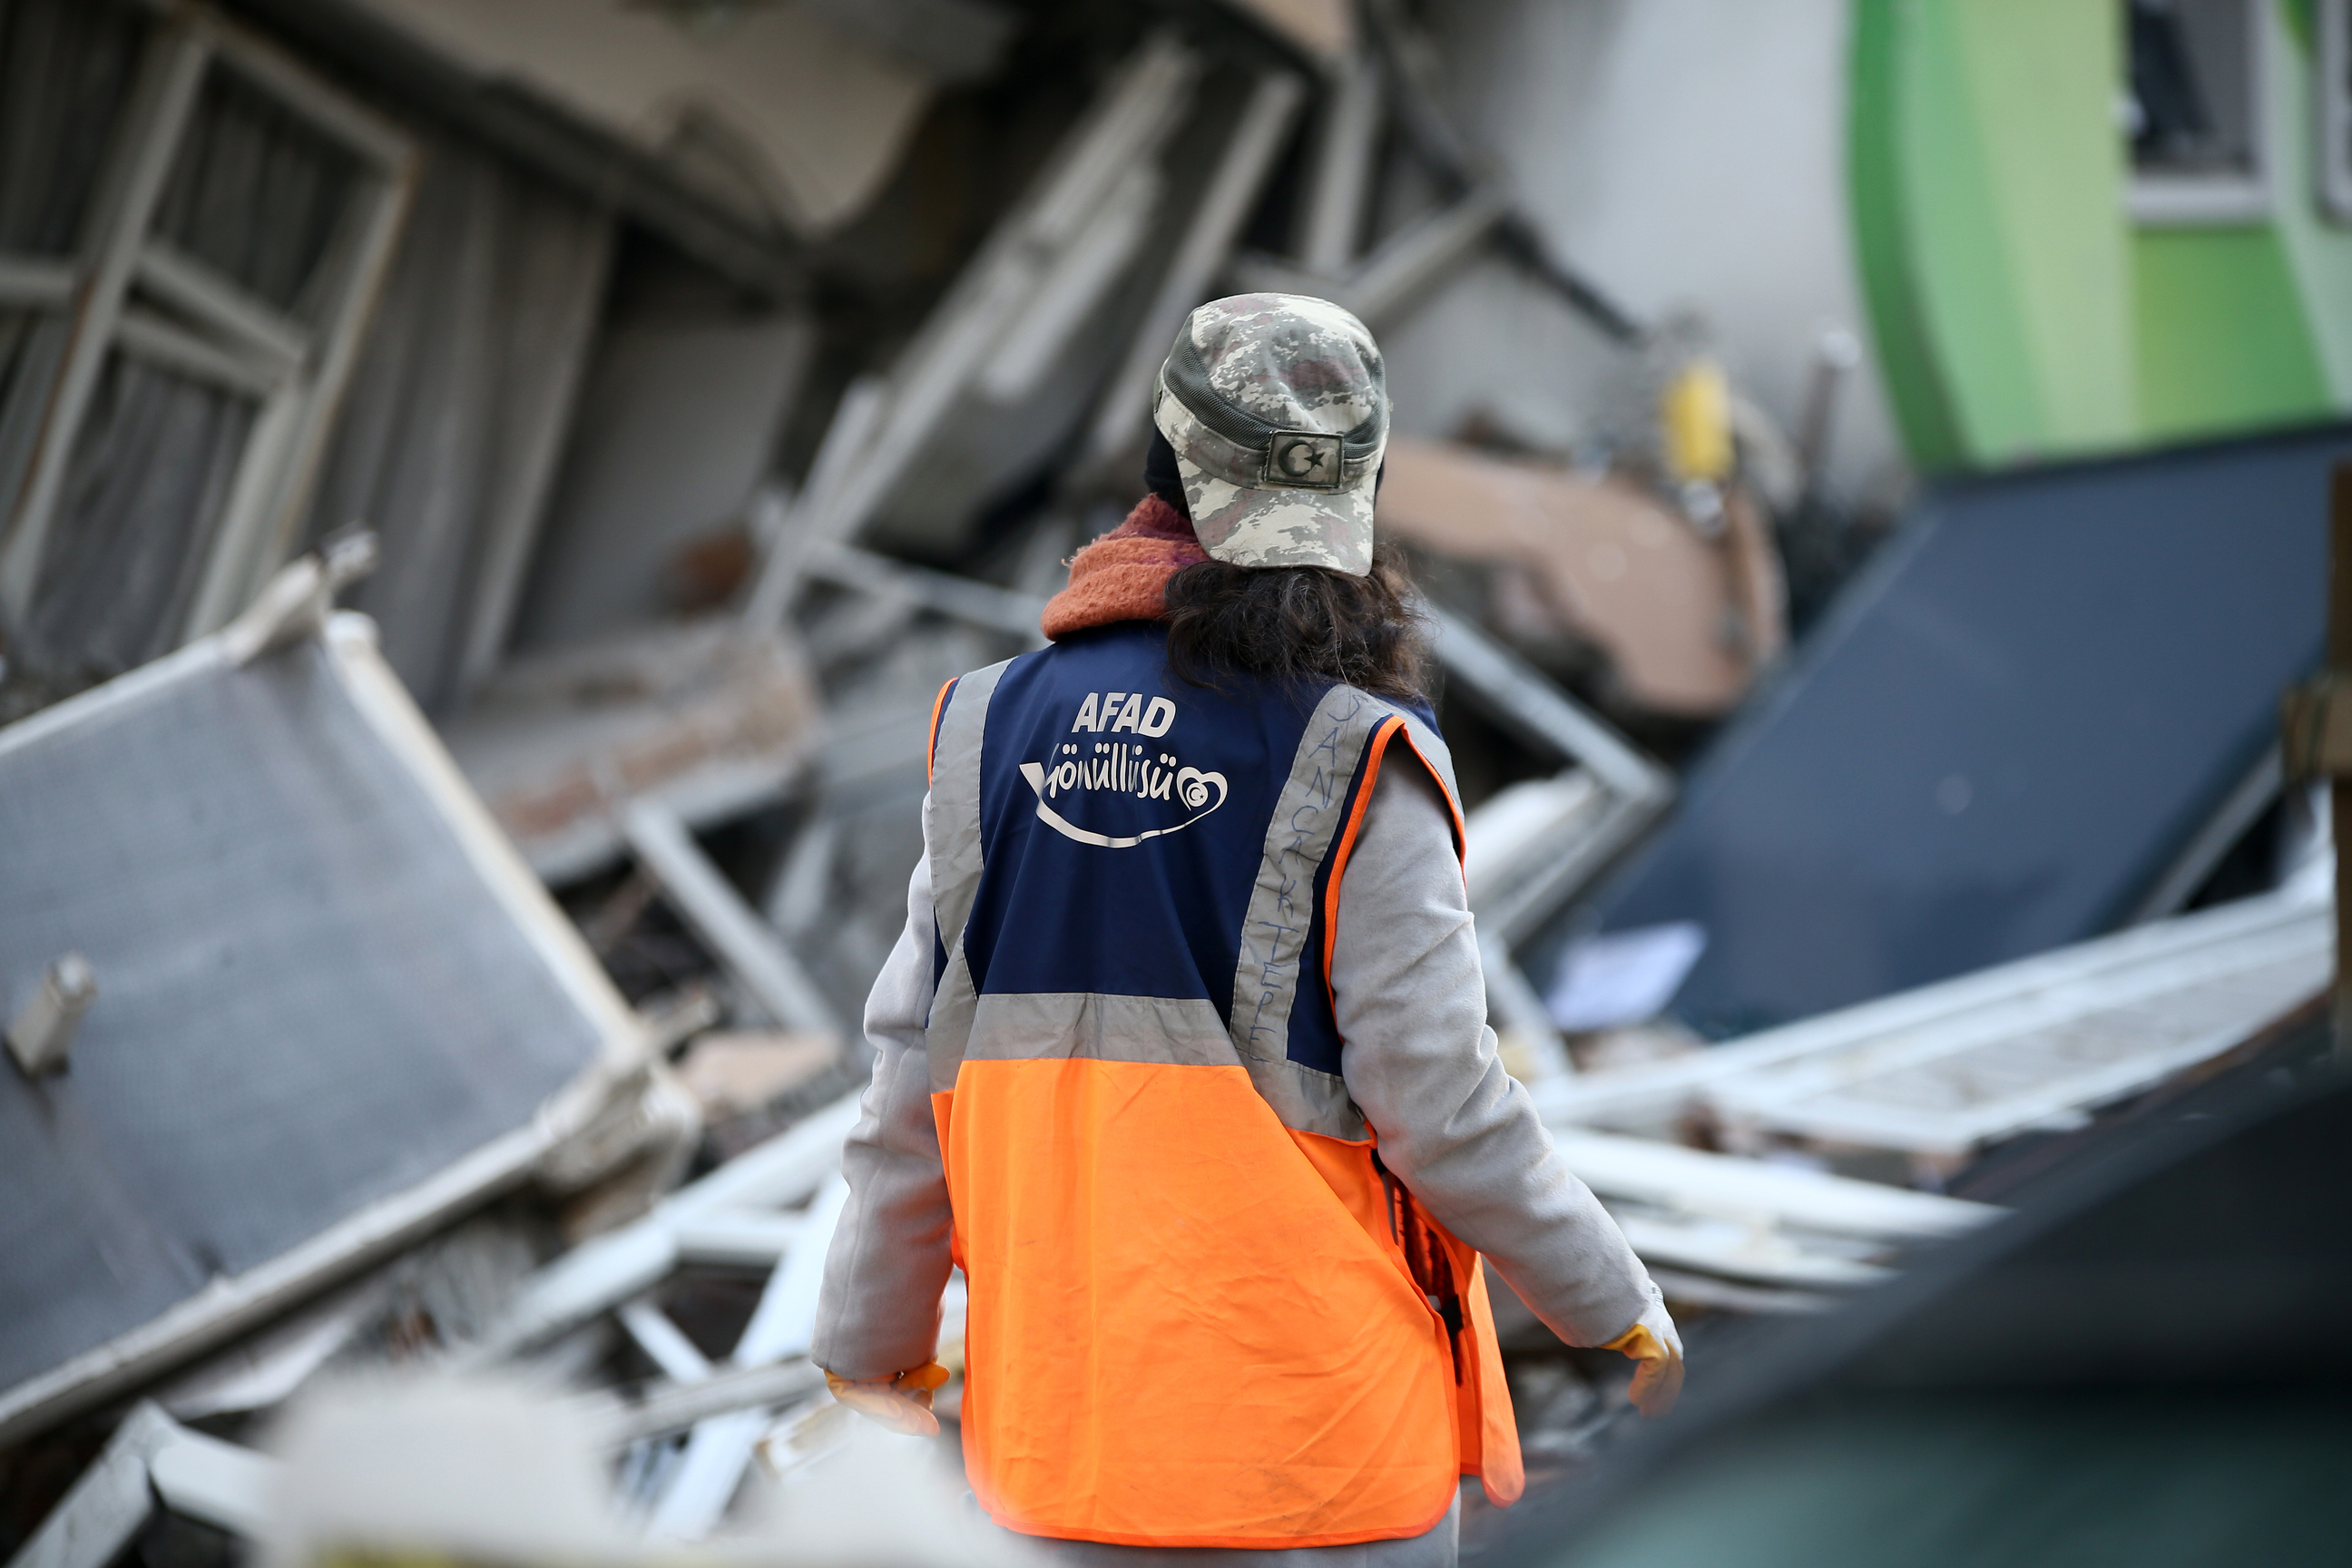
(1123, 575)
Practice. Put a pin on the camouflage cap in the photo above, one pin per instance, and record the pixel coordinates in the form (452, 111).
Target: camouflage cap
(1278, 409)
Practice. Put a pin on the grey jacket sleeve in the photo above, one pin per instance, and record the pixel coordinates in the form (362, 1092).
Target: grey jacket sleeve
(1420, 1064)
(878, 1310)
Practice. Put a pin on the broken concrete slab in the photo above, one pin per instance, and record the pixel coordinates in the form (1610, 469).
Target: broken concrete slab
(1608, 562)
(336, 1009)
(707, 719)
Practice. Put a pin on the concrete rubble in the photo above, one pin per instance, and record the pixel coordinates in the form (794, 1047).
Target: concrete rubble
(674, 420)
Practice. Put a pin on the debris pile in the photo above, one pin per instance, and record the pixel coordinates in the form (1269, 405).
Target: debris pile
(469, 983)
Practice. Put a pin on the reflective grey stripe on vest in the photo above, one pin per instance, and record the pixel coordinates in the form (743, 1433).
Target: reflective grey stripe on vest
(956, 857)
(1079, 1026)
(1306, 819)
(1053, 1026)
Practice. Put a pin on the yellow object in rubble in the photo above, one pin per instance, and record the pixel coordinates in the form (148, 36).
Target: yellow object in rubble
(1696, 410)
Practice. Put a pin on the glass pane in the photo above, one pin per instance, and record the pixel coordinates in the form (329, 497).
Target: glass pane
(65, 72)
(2192, 81)
(2342, 86)
(256, 191)
(149, 473)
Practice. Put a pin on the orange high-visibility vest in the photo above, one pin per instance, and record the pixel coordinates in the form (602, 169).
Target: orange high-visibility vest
(1200, 1312)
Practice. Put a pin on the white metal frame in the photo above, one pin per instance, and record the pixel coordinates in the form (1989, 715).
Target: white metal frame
(1635, 791)
(716, 912)
(1799, 1078)
(1742, 1218)
(1379, 286)
(2332, 109)
(1255, 141)
(216, 331)
(735, 1215)
(2191, 201)
(2046, 1055)
(1346, 148)
(881, 427)
(151, 1460)
(1725, 1186)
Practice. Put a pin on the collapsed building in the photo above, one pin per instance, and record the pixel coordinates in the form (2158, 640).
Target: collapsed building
(682, 391)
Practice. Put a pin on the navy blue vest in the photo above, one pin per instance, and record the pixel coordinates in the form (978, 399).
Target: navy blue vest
(1133, 880)
(1141, 836)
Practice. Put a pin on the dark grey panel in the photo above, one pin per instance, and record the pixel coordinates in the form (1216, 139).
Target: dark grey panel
(308, 999)
(1997, 739)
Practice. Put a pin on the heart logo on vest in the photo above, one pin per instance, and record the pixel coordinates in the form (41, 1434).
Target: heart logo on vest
(1193, 787)
(1202, 793)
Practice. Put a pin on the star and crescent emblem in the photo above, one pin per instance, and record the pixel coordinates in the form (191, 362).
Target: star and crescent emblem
(1304, 460)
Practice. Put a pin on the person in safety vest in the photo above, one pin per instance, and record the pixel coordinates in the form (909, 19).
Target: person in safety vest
(1183, 1055)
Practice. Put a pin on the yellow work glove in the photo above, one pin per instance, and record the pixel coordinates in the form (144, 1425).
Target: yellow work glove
(902, 1404)
(1653, 1343)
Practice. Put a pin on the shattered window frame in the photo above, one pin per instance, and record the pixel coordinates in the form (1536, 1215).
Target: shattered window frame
(2332, 95)
(2184, 170)
(123, 289)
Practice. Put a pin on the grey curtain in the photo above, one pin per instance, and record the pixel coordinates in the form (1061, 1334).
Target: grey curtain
(252, 191)
(66, 69)
(449, 428)
(457, 412)
(30, 342)
(150, 470)
(257, 192)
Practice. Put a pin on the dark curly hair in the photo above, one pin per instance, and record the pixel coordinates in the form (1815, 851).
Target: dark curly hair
(1297, 625)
